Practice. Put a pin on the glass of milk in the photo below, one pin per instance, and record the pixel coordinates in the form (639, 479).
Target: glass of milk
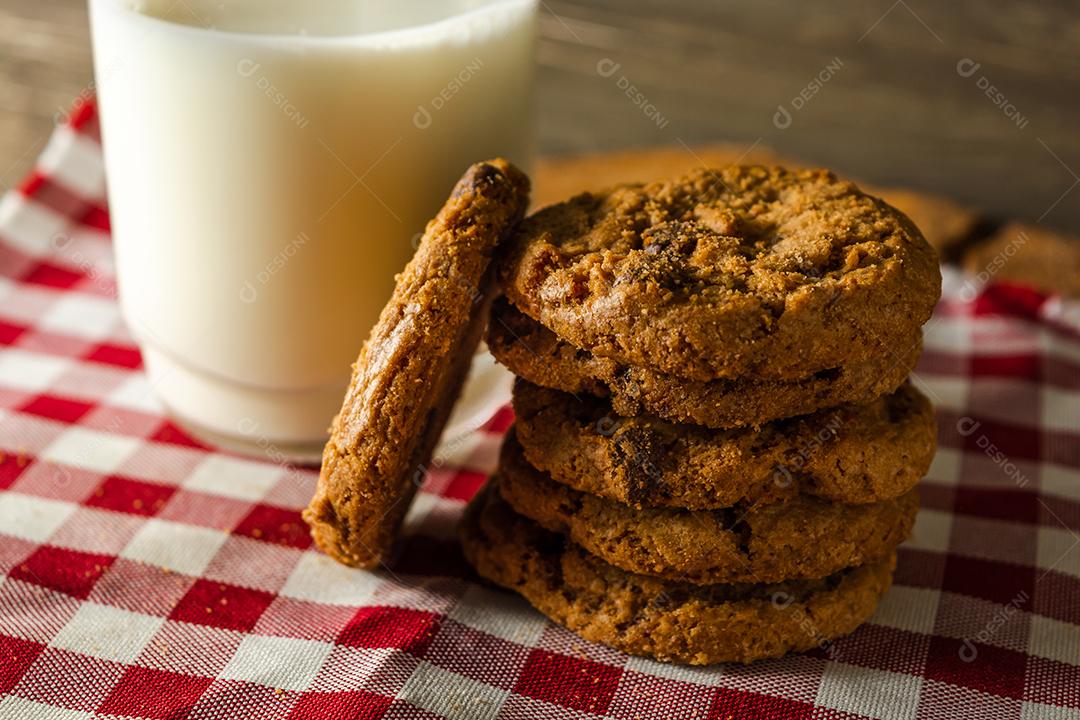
(271, 164)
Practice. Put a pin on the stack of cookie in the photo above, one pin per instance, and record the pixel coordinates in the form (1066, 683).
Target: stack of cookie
(716, 445)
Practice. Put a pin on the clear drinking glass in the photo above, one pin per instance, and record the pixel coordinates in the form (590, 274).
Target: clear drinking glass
(270, 165)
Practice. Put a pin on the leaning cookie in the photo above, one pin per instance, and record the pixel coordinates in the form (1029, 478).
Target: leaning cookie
(411, 369)
(850, 454)
(803, 537)
(535, 353)
(662, 619)
(732, 273)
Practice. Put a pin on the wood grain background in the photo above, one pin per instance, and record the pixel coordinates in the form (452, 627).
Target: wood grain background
(893, 109)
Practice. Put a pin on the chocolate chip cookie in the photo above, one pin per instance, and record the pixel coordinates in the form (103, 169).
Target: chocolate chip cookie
(741, 272)
(849, 454)
(663, 619)
(1030, 255)
(946, 224)
(411, 368)
(803, 537)
(537, 354)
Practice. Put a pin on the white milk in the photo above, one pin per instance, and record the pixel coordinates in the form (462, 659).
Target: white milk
(270, 164)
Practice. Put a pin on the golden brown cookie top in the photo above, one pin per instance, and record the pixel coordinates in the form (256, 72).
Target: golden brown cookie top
(726, 273)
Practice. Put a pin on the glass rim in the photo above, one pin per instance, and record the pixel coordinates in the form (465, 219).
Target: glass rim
(380, 39)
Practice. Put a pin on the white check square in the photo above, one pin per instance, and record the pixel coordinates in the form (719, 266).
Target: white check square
(84, 316)
(136, 393)
(91, 449)
(1059, 480)
(500, 614)
(87, 249)
(948, 334)
(932, 531)
(947, 392)
(320, 579)
(107, 632)
(235, 478)
(277, 662)
(1054, 639)
(1059, 549)
(24, 433)
(945, 468)
(869, 692)
(29, 226)
(423, 505)
(451, 695)
(30, 371)
(682, 673)
(908, 608)
(180, 548)
(1041, 711)
(1060, 409)
(32, 518)
(75, 161)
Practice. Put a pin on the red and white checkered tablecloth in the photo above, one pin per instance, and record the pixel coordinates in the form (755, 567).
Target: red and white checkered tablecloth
(144, 575)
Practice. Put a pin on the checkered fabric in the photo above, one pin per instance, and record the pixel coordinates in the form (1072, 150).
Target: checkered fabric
(144, 575)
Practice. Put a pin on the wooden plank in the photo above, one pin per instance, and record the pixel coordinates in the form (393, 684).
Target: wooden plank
(44, 65)
(894, 112)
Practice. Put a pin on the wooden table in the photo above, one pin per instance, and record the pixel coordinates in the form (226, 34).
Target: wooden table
(886, 90)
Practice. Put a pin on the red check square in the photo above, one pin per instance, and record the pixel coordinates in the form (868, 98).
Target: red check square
(1025, 365)
(352, 705)
(173, 435)
(730, 703)
(96, 217)
(16, 656)
(11, 467)
(157, 694)
(53, 276)
(1003, 298)
(118, 355)
(464, 484)
(573, 683)
(391, 627)
(1004, 440)
(222, 605)
(67, 571)
(991, 580)
(988, 669)
(57, 408)
(1060, 371)
(1055, 596)
(1053, 682)
(9, 333)
(275, 525)
(1000, 503)
(500, 422)
(125, 495)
